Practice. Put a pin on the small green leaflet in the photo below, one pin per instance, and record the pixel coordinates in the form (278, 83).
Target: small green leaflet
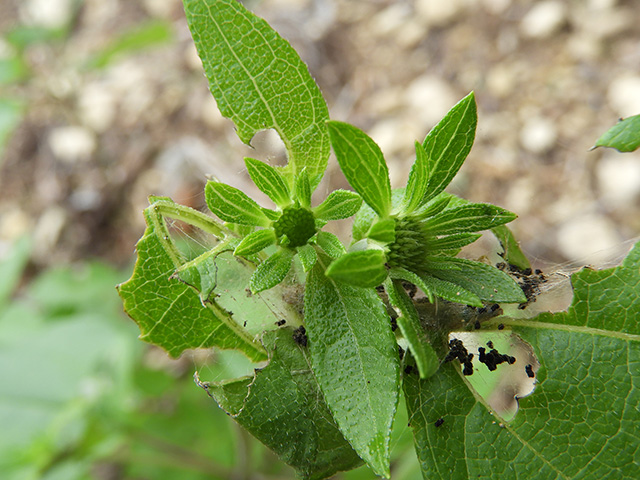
(412, 330)
(233, 205)
(339, 204)
(272, 271)
(364, 268)
(418, 181)
(283, 407)
(624, 136)
(269, 180)
(448, 144)
(511, 251)
(475, 276)
(471, 217)
(355, 359)
(259, 82)
(363, 164)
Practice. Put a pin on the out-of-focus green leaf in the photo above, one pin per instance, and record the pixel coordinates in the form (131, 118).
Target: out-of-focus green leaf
(581, 420)
(145, 35)
(283, 407)
(11, 112)
(12, 69)
(624, 136)
(11, 267)
(169, 313)
(355, 359)
(259, 82)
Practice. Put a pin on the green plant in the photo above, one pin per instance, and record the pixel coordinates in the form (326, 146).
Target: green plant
(277, 287)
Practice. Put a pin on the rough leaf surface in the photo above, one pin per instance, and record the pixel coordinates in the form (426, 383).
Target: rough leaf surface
(259, 81)
(581, 420)
(355, 359)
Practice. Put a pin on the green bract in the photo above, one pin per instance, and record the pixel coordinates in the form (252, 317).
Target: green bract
(422, 234)
(292, 226)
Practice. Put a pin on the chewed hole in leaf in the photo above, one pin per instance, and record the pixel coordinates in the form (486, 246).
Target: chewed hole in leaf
(267, 144)
(504, 368)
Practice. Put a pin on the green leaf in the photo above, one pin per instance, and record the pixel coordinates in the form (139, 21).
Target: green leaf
(255, 242)
(355, 359)
(471, 217)
(11, 112)
(383, 231)
(331, 244)
(486, 281)
(170, 313)
(12, 265)
(308, 256)
(363, 165)
(448, 144)
(511, 249)
(284, 409)
(364, 268)
(435, 287)
(272, 271)
(412, 330)
(269, 180)
(339, 204)
(418, 181)
(624, 136)
(303, 188)
(582, 417)
(435, 205)
(259, 82)
(233, 205)
(454, 241)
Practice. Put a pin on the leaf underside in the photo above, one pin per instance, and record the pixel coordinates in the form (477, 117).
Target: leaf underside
(170, 314)
(283, 407)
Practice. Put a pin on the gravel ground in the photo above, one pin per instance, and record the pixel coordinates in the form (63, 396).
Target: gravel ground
(549, 77)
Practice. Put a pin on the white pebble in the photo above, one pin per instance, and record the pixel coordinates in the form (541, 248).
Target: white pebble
(439, 12)
(544, 19)
(624, 95)
(538, 135)
(72, 143)
(588, 238)
(619, 179)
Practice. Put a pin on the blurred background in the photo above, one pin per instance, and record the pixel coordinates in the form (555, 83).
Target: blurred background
(104, 102)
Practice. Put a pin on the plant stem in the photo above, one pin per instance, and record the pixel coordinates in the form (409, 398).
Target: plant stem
(170, 209)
